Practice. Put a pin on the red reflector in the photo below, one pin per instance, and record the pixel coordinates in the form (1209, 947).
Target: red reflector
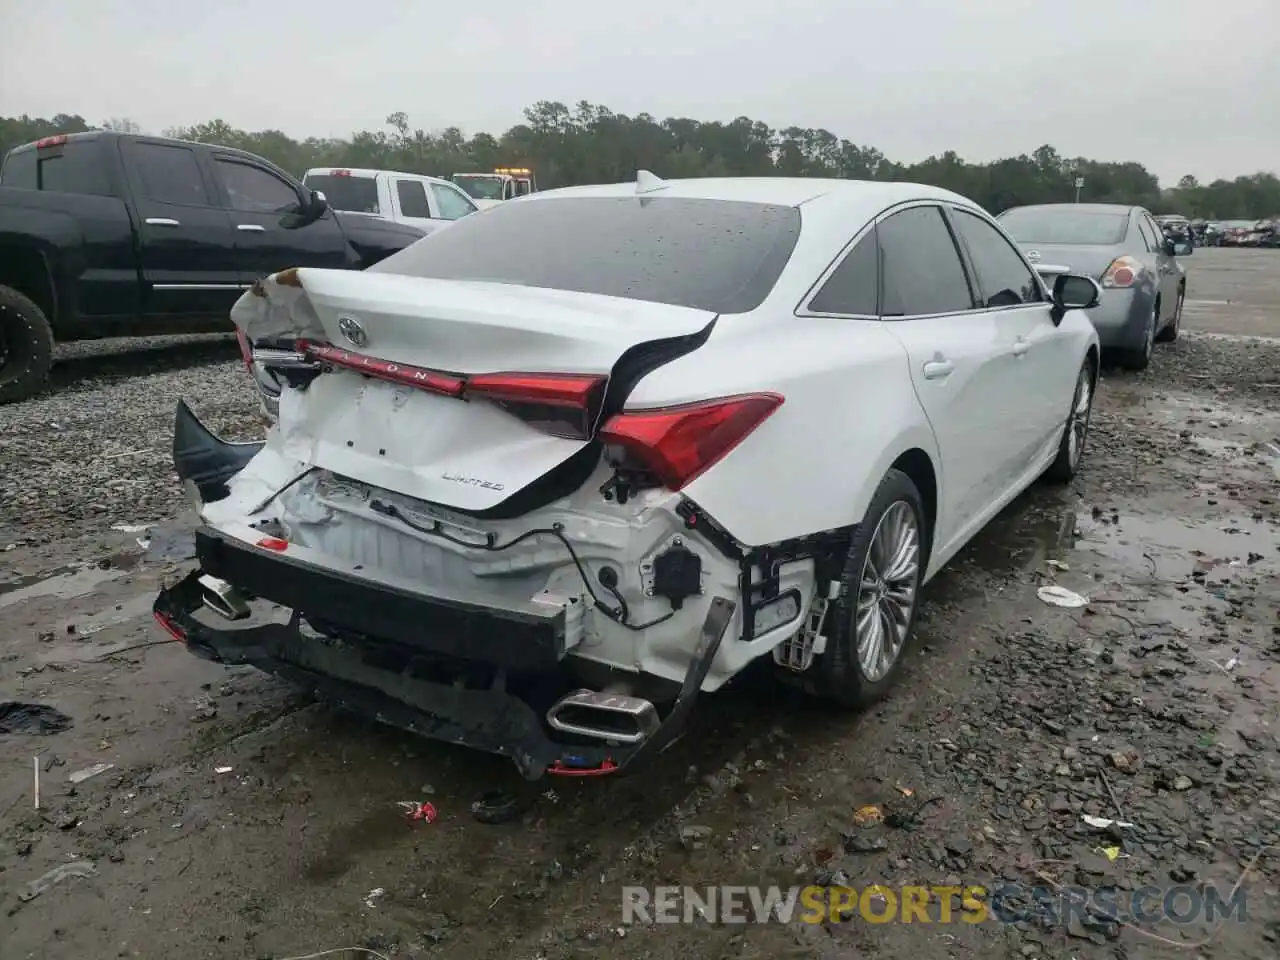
(274, 543)
(402, 373)
(679, 443)
(552, 389)
(169, 627)
(46, 142)
(561, 769)
(246, 351)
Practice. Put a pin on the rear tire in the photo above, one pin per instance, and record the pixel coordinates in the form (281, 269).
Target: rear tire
(1170, 333)
(1071, 448)
(26, 346)
(1140, 358)
(879, 597)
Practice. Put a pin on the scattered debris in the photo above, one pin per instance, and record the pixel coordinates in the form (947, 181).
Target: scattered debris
(35, 767)
(414, 810)
(221, 770)
(1061, 597)
(80, 868)
(1058, 564)
(694, 836)
(31, 718)
(868, 814)
(1102, 823)
(495, 807)
(80, 776)
(373, 895)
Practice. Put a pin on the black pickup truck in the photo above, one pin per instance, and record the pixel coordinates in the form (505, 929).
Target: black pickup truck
(105, 234)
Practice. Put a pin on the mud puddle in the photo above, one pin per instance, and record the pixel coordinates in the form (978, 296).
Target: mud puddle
(66, 583)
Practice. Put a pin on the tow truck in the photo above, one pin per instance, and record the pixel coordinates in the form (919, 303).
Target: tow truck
(504, 183)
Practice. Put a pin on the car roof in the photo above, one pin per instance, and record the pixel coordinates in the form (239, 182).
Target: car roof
(372, 172)
(784, 191)
(1081, 207)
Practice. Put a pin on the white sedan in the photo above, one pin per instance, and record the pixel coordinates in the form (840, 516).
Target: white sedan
(540, 478)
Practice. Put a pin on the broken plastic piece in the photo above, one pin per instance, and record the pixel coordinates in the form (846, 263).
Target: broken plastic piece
(413, 810)
(80, 776)
(1102, 823)
(80, 868)
(1061, 597)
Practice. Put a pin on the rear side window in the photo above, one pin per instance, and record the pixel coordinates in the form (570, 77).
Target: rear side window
(352, 194)
(716, 255)
(851, 289)
(169, 174)
(1005, 280)
(74, 167)
(413, 199)
(921, 269)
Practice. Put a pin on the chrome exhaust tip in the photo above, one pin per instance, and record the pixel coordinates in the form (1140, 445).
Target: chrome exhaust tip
(223, 599)
(614, 717)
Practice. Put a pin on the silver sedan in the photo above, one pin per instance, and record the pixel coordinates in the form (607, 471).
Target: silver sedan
(1143, 285)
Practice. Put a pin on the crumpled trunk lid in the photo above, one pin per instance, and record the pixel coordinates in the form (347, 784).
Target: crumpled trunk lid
(375, 413)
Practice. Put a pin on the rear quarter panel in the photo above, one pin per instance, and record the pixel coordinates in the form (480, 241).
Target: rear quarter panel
(849, 412)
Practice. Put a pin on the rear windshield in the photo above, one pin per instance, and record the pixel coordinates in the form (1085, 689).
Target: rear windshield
(717, 255)
(353, 194)
(74, 167)
(1038, 225)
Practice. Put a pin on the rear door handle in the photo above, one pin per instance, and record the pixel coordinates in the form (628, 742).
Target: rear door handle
(938, 369)
(251, 227)
(162, 222)
(1020, 347)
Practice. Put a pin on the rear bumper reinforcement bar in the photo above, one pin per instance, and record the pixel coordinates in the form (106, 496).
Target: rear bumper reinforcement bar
(491, 720)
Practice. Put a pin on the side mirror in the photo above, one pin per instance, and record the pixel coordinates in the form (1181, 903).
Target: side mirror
(1074, 291)
(1182, 249)
(1170, 247)
(311, 207)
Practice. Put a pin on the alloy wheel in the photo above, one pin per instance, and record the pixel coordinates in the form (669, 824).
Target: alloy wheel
(1081, 411)
(887, 590)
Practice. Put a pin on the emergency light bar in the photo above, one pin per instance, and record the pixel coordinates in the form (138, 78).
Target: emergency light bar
(514, 171)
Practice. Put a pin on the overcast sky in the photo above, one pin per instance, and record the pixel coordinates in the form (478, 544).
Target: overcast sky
(1183, 86)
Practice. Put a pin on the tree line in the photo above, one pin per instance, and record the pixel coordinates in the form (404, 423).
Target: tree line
(592, 144)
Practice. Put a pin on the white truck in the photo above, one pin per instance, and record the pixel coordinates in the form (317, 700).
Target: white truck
(504, 183)
(413, 198)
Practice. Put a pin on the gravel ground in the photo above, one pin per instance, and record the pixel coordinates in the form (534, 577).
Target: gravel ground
(1155, 705)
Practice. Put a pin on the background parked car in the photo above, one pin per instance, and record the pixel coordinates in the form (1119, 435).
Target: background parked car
(1123, 247)
(105, 234)
(427, 203)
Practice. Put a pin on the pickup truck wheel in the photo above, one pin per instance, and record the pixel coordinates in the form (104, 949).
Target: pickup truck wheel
(869, 625)
(26, 346)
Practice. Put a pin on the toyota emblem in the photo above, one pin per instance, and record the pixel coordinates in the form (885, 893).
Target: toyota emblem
(353, 330)
(1033, 256)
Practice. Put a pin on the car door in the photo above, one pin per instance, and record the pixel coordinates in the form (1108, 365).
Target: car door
(410, 204)
(1044, 366)
(1164, 264)
(186, 248)
(962, 362)
(259, 200)
(450, 202)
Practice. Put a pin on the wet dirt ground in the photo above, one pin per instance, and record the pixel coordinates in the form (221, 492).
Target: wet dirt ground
(239, 820)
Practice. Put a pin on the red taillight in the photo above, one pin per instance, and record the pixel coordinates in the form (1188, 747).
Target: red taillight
(46, 142)
(401, 373)
(168, 626)
(553, 389)
(561, 404)
(679, 443)
(1121, 272)
(339, 173)
(273, 543)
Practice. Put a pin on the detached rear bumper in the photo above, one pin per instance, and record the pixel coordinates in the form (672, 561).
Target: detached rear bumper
(490, 719)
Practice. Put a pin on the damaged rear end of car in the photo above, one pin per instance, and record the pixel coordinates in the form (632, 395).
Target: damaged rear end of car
(458, 526)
